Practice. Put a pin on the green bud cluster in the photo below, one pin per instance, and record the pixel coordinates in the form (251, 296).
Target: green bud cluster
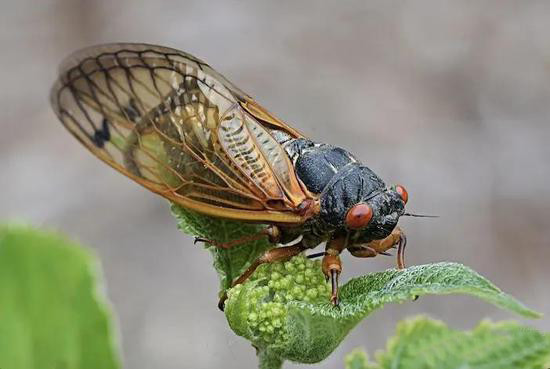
(276, 285)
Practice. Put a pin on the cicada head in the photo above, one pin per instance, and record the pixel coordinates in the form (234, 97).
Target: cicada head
(361, 205)
(383, 210)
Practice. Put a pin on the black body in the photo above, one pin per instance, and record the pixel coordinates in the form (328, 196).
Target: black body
(341, 182)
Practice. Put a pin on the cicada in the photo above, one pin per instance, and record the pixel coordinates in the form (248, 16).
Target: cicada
(174, 125)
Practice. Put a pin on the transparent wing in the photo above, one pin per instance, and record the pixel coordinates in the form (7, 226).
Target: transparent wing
(173, 124)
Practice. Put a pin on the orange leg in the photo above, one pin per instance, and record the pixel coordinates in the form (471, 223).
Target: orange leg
(272, 232)
(332, 265)
(373, 248)
(274, 255)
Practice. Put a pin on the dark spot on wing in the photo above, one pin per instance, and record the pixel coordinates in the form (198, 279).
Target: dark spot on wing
(102, 135)
(132, 111)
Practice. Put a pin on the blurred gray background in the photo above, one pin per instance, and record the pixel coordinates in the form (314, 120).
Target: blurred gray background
(449, 98)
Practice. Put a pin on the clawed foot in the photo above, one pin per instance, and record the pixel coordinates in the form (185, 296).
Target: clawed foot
(334, 274)
(200, 239)
(335, 301)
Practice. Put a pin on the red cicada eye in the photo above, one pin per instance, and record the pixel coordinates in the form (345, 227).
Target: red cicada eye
(402, 193)
(358, 216)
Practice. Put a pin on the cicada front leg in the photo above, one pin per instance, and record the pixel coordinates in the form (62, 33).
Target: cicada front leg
(396, 239)
(332, 265)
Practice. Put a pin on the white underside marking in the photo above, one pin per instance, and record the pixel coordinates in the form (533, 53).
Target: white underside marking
(293, 242)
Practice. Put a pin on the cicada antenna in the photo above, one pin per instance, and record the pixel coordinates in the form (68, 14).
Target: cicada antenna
(420, 215)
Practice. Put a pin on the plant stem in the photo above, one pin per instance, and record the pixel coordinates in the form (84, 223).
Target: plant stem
(268, 360)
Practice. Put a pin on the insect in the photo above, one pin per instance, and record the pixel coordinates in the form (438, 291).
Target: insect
(173, 124)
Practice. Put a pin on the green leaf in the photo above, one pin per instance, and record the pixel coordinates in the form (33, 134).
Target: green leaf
(423, 343)
(358, 359)
(283, 309)
(229, 264)
(52, 311)
(279, 317)
(269, 361)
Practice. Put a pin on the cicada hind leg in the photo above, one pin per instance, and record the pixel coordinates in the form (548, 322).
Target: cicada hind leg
(272, 233)
(278, 254)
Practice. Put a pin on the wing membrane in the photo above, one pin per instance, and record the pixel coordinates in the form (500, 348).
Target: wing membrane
(173, 124)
